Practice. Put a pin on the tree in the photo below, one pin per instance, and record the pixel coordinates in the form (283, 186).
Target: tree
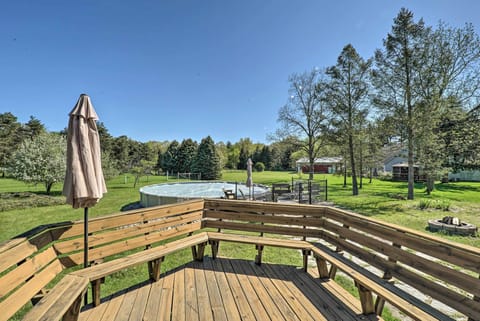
(396, 75)
(32, 128)
(185, 155)
(449, 78)
(346, 94)
(9, 138)
(170, 158)
(40, 160)
(144, 168)
(303, 117)
(207, 161)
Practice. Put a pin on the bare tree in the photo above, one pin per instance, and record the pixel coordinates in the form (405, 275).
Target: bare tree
(304, 114)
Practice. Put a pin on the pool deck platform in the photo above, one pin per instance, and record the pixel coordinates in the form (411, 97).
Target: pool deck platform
(230, 289)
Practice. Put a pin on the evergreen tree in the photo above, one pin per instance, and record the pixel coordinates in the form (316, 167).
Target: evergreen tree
(186, 155)
(170, 158)
(396, 77)
(243, 158)
(10, 138)
(207, 161)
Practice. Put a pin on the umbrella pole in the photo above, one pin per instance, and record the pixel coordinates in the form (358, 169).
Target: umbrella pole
(85, 244)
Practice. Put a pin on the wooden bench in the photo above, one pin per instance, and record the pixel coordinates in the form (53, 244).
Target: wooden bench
(153, 257)
(259, 242)
(368, 283)
(280, 189)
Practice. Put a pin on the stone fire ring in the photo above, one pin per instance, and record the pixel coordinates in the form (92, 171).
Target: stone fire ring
(462, 229)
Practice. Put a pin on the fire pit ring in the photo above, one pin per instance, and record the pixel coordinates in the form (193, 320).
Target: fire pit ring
(452, 225)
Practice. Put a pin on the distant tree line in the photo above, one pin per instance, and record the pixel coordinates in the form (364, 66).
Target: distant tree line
(30, 153)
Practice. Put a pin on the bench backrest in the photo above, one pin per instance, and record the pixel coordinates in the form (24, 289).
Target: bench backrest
(133, 230)
(443, 270)
(25, 269)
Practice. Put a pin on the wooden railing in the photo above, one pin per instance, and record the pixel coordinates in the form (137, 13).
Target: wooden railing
(338, 240)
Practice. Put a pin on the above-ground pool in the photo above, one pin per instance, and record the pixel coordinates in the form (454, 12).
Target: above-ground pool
(169, 193)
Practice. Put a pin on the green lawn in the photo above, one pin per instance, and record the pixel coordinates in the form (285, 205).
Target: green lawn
(379, 199)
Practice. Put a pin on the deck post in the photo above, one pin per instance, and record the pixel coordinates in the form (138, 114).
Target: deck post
(214, 244)
(305, 253)
(73, 312)
(322, 267)
(154, 268)
(366, 299)
(198, 251)
(96, 292)
(258, 257)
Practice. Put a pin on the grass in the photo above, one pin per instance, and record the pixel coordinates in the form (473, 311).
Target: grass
(383, 200)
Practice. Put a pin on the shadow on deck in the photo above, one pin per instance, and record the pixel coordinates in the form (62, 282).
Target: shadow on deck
(230, 289)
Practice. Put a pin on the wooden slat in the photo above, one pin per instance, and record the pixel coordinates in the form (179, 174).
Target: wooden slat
(264, 207)
(127, 305)
(153, 303)
(15, 255)
(248, 227)
(57, 302)
(131, 217)
(22, 295)
(191, 305)
(228, 299)
(120, 247)
(20, 274)
(113, 307)
(253, 284)
(290, 220)
(5, 245)
(303, 307)
(214, 293)
(101, 270)
(140, 303)
(277, 298)
(249, 239)
(127, 232)
(243, 284)
(178, 309)
(164, 312)
(204, 311)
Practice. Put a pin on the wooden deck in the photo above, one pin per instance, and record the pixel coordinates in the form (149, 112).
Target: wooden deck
(230, 289)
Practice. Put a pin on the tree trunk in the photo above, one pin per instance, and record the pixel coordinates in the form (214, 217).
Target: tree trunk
(345, 175)
(430, 184)
(48, 187)
(352, 165)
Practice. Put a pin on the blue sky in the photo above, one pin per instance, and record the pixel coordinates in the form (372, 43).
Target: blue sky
(164, 70)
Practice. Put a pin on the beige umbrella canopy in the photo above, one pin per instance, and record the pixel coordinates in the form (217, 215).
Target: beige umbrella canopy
(84, 185)
(249, 182)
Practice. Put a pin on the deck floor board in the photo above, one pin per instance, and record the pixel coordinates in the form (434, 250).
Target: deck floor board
(229, 290)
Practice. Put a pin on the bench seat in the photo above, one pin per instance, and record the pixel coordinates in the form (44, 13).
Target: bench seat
(368, 283)
(63, 302)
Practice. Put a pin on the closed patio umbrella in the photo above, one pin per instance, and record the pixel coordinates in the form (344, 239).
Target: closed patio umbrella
(249, 182)
(84, 184)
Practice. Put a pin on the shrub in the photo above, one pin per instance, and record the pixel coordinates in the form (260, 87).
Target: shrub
(259, 167)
